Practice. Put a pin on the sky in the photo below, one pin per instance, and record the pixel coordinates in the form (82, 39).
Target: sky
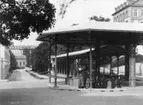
(79, 12)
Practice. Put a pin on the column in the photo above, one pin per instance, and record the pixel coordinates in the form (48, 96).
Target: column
(67, 64)
(117, 65)
(97, 51)
(132, 69)
(49, 62)
(127, 62)
(90, 66)
(60, 67)
(55, 71)
(90, 59)
(110, 63)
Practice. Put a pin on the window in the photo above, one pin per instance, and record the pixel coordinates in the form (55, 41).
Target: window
(135, 12)
(127, 13)
(117, 18)
(120, 16)
(23, 63)
(20, 63)
(141, 12)
(123, 15)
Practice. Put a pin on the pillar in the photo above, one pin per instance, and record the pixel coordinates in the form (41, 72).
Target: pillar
(110, 64)
(50, 62)
(60, 68)
(117, 65)
(97, 56)
(127, 61)
(67, 64)
(132, 68)
(104, 70)
(55, 71)
(90, 60)
(90, 66)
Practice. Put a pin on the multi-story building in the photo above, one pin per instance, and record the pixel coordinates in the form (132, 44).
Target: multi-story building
(129, 11)
(18, 52)
(4, 61)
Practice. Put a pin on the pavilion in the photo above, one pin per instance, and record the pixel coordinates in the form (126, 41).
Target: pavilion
(95, 35)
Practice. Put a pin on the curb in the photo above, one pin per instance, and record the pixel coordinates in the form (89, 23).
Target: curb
(63, 89)
(85, 90)
(4, 80)
(34, 75)
(102, 90)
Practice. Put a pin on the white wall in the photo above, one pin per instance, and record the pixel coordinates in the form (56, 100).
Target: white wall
(21, 62)
(4, 61)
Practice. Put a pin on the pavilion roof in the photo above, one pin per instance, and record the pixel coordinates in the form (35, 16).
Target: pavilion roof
(95, 26)
(104, 51)
(108, 33)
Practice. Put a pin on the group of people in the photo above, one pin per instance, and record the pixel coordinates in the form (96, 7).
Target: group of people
(99, 81)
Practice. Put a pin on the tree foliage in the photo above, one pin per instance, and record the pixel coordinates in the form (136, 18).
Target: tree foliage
(13, 62)
(27, 53)
(63, 7)
(19, 17)
(40, 57)
(101, 19)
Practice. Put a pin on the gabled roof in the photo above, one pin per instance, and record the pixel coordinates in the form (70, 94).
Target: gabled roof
(133, 4)
(138, 3)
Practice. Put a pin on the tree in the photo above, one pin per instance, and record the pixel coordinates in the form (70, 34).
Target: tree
(4, 41)
(63, 7)
(102, 19)
(26, 52)
(40, 57)
(13, 63)
(20, 17)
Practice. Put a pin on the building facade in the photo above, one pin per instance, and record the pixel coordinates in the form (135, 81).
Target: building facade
(4, 61)
(19, 55)
(129, 11)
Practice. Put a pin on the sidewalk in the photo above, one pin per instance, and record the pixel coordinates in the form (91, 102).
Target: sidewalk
(63, 86)
(124, 91)
(39, 76)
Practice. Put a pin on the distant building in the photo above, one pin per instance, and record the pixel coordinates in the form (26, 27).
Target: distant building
(129, 11)
(4, 61)
(18, 52)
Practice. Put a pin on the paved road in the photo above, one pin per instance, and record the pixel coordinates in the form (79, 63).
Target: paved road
(21, 75)
(45, 96)
(21, 79)
(26, 90)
